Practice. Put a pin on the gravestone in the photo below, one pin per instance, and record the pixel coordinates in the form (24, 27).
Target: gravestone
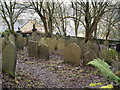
(20, 41)
(106, 43)
(12, 38)
(33, 36)
(89, 56)
(33, 48)
(49, 44)
(3, 43)
(9, 57)
(106, 55)
(61, 46)
(42, 41)
(72, 54)
(85, 47)
(43, 51)
(95, 48)
(72, 40)
(25, 41)
(0, 44)
(38, 37)
(57, 36)
(54, 43)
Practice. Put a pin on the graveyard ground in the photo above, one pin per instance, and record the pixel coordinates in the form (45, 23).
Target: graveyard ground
(36, 73)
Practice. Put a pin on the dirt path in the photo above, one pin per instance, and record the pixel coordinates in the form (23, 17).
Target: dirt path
(38, 73)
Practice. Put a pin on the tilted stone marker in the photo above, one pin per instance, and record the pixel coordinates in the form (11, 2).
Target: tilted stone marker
(61, 46)
(38, 37)
(73, 40)
(20, 41)
(85, 47)
(33, 37)
(42, 41)
(49, 44)
(25, 41)
(3, 43)
(72, 54)
(106, 43)
(54, 43)
(33, 48)
(0, 44)
(106, 55)
(89, 56)
(95, 48)
(12, 38)
(9, 57)
(43, 51)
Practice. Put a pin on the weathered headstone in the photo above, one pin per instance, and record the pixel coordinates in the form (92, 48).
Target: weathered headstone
(9, 57)
(57, 36)
(20, 41)
(12, 38)
(49, 44)
(3, 43)
(33, 48)
(73, 40)
(54, 43)
(95, 48)
(25, 41)
(106, 43)
(38, 37)
(89, 56)
(106, 55)
(42, 41)
(85, 47)
(33, 36)
(0, 44)
(61, 46)
(43, 51)
(72, 54)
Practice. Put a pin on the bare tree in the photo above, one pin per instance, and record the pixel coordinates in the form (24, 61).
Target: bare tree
(92, 12)
(46, 12)
(10, 11)
(76, 16)
(111, 19)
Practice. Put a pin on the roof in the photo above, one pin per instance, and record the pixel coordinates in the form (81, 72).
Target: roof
(27, 27)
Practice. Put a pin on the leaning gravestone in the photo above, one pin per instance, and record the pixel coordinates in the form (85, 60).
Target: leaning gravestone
(33, 48)
(85, 47)
(9, 57)
(20, 41)
(33, 37)
(72, 40)
(41, 41)
(25, 41)
(95, 48)
(61, 46)
(89, 56)
(49, 44)
(54, 43)
(106, 43)
(72, 54)
(12, 38)
(43, 51)
(1, 44)
(106, 55)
